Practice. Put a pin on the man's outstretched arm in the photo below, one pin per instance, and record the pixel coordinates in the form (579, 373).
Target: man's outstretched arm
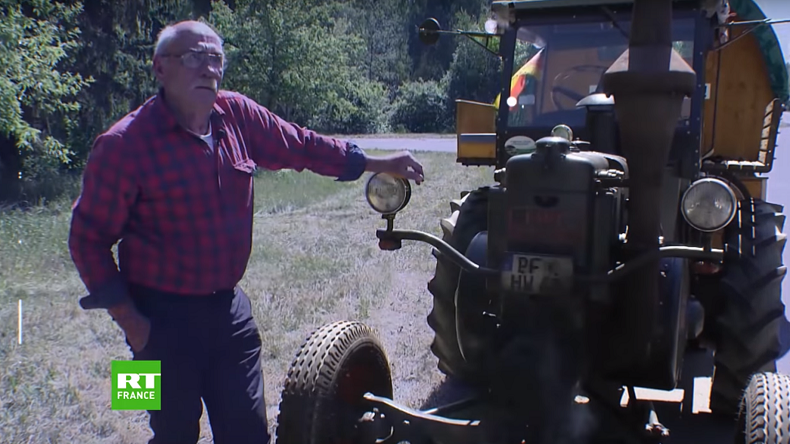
(279, 144)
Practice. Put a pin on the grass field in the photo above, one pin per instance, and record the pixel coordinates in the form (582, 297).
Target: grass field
(55, 387)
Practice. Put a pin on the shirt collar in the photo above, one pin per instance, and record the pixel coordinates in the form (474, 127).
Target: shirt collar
(166, 119)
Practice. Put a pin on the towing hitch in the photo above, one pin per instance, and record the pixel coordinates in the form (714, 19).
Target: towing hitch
(389, 422)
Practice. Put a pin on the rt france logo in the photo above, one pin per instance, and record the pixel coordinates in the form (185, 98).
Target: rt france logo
(136, 385)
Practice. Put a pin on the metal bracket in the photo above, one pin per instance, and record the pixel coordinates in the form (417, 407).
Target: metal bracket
(412, 425)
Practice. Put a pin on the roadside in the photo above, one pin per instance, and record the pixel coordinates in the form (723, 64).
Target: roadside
(396, 136)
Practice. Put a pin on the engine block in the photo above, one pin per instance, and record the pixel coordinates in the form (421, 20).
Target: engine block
(559, 209)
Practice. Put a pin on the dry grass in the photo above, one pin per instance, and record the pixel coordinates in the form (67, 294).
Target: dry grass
(315, 260)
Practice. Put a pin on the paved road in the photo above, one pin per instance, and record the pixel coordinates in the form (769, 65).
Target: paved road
(778, 188)
(446, 144)
(442, 144)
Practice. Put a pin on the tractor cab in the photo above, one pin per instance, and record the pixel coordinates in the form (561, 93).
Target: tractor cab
(554, 54)
(559, 60)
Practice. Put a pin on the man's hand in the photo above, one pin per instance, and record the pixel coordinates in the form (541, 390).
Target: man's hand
(136, 326)
(401, 164)
(138, 332)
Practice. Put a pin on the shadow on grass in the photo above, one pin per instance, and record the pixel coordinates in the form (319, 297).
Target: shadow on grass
(58, 188)
(447, 392)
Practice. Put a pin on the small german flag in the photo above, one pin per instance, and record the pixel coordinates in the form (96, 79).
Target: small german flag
(519, 80)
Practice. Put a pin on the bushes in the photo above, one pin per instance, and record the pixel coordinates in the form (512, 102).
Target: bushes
(421, 107)
(474, 74)
(338, 67)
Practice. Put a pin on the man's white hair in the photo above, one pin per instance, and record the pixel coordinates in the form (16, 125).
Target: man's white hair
(170, 32)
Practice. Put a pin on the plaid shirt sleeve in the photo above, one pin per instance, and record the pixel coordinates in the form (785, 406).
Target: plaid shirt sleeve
(98, 218)
(278, 144)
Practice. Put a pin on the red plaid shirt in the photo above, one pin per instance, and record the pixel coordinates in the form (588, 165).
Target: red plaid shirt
(182, 211)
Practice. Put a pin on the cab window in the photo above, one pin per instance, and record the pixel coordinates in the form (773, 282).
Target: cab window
(557, 65)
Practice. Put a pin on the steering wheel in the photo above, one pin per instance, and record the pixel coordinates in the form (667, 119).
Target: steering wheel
(558, 89)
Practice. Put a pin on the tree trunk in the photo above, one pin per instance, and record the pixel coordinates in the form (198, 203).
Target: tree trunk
(10, 167)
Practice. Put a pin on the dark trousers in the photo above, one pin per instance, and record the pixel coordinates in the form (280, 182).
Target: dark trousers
(209, 348)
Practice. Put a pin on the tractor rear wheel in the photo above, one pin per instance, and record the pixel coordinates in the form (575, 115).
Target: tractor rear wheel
(469, 216)
(751, 321)
(764, 415)
(322, 399)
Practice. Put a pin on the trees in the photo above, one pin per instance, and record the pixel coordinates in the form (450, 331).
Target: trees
(71, 68)
(36, 95)
(304, 63)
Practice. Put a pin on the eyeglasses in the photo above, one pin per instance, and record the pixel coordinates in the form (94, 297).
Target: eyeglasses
(196, 59)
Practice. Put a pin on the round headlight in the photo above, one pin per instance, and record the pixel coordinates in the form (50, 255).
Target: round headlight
(563, 131)
(386, 193)
(709, 204)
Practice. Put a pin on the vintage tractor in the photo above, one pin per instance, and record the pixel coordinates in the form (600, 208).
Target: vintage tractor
(626, 244)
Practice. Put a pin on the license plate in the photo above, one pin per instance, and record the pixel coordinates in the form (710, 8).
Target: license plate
(537, 274)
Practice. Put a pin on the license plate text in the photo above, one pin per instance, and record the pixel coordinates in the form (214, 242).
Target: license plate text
(537, 274)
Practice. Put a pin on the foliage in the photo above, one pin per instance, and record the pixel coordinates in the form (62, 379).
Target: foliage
(420, 107)
(36, 98)
(120, 38)
(72, 69)
(474, 73)
(301, 67)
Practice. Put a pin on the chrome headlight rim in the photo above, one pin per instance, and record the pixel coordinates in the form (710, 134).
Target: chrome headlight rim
(400, 182)
(722, 184)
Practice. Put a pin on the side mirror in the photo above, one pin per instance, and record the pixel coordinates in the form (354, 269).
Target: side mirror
(428, 31)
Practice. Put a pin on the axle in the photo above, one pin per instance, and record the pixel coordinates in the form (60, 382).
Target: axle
(393, 238)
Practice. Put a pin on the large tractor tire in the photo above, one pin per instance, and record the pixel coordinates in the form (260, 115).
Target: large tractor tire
(751, 322)
(323, 395)
(469, 217)
(764, 415)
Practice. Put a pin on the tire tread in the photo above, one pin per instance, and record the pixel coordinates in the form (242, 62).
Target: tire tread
(749, 326)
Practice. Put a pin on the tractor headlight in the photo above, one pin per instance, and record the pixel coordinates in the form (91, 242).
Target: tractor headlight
(386, 193)
(563, 131)
(709, 204)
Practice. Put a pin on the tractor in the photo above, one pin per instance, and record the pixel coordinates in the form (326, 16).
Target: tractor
(625, 252)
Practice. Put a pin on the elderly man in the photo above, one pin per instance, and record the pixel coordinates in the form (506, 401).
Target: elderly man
(173, 179)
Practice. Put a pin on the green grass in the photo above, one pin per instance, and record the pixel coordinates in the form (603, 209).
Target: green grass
(35, 239)
(315, 259)
(283, 191)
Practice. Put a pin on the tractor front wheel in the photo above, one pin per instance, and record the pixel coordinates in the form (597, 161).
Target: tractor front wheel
(469, 216)
(322, 400)
(764, 416)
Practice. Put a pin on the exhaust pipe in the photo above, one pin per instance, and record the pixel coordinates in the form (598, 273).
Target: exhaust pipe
(649, 82)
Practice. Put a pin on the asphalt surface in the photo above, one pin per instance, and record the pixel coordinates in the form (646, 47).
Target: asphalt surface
(778, 185)
(439, 144)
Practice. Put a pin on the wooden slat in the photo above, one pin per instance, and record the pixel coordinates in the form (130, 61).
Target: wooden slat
(740, 88)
